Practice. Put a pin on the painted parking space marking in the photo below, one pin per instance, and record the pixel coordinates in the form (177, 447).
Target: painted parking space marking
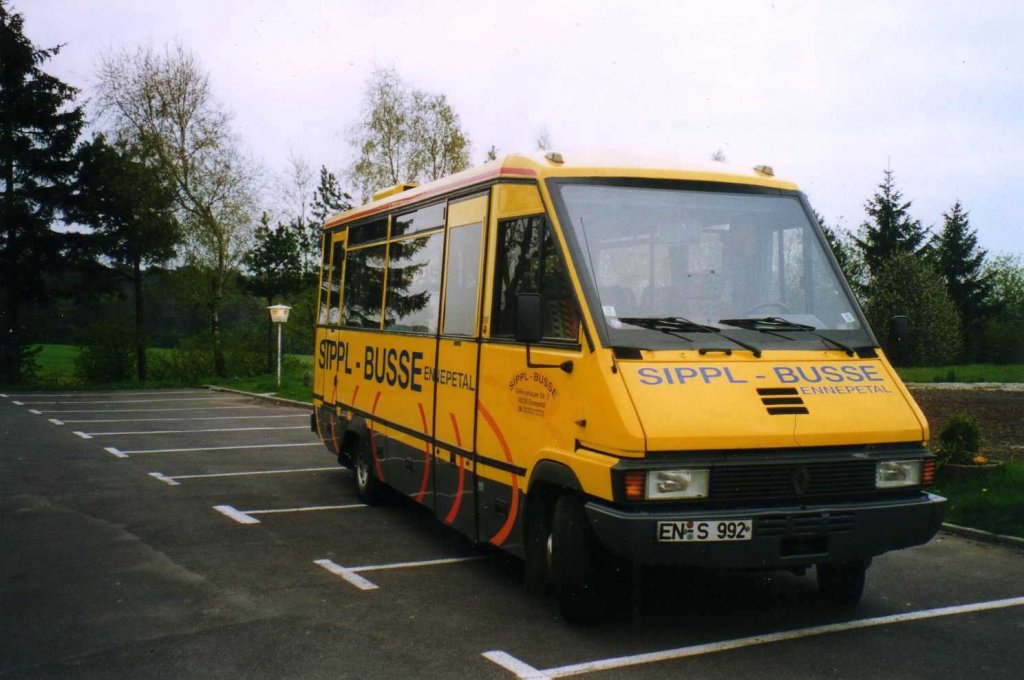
(135, 401)
(83, 435)
(246, 516)
(55, 421)
(111, 393)
(148, 420)
(172, 479)
(524, 670)
(219, 429)
(18, 403)
(222, 448)
(115, 452)
(142, 410)
(351, 574)
(38, 413)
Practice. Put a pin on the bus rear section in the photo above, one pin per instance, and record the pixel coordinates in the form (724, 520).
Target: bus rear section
(593, 364)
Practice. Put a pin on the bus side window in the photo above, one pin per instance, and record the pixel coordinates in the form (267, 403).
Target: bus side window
(364, 287)
(462, 280)
(325, 278)
(528, 262)
(337, 257)
(414, 283)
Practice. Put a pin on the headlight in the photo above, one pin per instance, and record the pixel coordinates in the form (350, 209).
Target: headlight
(666, 484)
(892, 473)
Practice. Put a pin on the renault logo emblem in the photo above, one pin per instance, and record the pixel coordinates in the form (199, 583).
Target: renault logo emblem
(801, 480)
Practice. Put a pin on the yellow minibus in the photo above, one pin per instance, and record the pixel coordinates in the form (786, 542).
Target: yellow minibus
(589, 362)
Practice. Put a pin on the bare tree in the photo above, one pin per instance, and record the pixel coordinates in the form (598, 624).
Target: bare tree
(163, 102)
(297, 190)
(718, 156)
(404, 135)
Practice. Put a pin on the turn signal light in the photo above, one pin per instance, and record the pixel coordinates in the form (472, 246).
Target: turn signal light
(635, 485)
(928, 472)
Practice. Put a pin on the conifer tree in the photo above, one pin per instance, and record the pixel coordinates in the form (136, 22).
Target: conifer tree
(961, 262)
(39, 125)
(125, 200)
(274, 266)
(890, 230)
(844, 249)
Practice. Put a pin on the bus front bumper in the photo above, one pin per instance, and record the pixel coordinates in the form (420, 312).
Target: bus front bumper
(781, 537)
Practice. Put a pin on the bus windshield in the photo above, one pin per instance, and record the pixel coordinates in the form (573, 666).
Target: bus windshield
(678, 262)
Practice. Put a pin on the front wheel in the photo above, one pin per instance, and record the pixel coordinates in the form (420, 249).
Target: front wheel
(572, 546)
(369, 489)
(842, 583)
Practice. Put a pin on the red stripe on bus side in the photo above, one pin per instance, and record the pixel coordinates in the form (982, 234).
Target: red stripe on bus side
(506, 529)
(522, 172)
(462, 474)
(426, 457)
(373, 444)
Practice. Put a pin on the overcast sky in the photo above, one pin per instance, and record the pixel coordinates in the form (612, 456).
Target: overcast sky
(827, 93)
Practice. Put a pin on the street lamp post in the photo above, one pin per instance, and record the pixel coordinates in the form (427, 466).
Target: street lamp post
(279, 315)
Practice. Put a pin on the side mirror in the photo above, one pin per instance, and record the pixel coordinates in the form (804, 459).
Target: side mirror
(530, 327)
(529, 318)
(899, 330)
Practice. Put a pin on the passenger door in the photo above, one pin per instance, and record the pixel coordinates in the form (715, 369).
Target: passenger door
(455, 373)
(522, 409)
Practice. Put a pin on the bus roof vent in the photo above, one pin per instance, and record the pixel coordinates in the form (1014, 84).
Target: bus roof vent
(554, 157)
(765, 170)
(397, 189)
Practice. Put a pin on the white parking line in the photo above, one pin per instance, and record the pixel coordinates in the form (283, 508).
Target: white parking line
(170, 479)
(142, 410)
(524, 670)
(246, 516)
(56, 422)
(111, 393)
(137, 401)
(221, 429)
(18, 403)
(115, 452)
(38, 413)
(83, 435)
(225, 448)
(146, 420)
(351, 574)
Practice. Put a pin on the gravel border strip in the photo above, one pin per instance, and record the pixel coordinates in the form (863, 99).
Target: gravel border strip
(965, 532)
(264, 397)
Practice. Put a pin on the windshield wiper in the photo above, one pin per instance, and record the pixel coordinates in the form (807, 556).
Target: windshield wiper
(775, 324)
(674, 325)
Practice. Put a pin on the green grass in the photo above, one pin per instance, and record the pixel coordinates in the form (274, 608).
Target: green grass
(57, 371)
(967, 373)
(992, 502)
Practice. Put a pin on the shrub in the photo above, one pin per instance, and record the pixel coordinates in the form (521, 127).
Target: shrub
(960, 439)
(106, 355)
(188, 362)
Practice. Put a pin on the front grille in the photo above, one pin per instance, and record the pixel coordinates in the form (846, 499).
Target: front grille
(792, 480)
(805, 524)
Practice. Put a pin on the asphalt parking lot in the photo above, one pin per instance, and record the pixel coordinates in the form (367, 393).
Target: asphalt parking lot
(189, 533)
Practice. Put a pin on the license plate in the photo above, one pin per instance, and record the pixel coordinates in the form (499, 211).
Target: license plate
(703, 531)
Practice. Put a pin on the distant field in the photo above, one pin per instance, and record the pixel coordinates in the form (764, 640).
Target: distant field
(57, 371)
(968, 373)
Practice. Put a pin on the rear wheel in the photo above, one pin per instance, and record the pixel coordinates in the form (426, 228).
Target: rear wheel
(842, 583)
(571, 548)
(369, 489)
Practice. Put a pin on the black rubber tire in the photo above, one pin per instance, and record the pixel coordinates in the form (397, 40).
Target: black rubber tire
(537, 542)
(572, 562)
(369, 489)
(842, 583)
